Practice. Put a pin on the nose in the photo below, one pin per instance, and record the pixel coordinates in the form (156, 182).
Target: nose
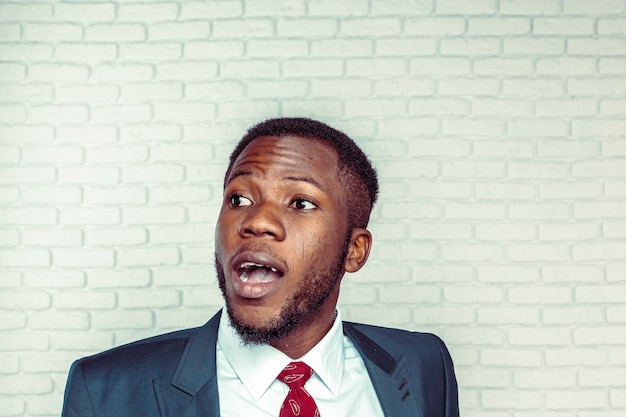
(263, 220)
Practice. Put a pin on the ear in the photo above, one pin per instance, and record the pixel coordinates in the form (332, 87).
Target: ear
(358, 249)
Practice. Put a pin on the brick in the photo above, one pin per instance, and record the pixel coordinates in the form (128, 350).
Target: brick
(22, 341)
(85, 12)
(149, 256)
(596, 47)
(501, 232)
(533, 87)
(38, 32)
(220, 91)
(420, 294)
(165, 31)
(125, 319)
(357, 108)
(59, 320)
(525, 358)
(465, 7)
(582, 273)
(546, 379)
(314, 28)
(28, 215)
(178, 276)
(25, 52)
(181, 152)
(151, 92)
(90, 216)
(440, 66)
(153, 215)
(615, 314)
(116, 154)
(353, 296)
(147, 13)
(401, 87)
(9, 154)
(568, 232)
(377, 274)
(47, 364)
(471, 252)
(566, 65)
(202, 51)
(563, 26)
(262, 108)
(576, 399)
(82, 258)
(482, 26)
(377, 27)
(478, 87)
(122, 72)
(9, 237)
(440, 190)
(161, 51)
(9, 195)
(614, 148)
(152, 173)
(499, 107)
(388, 316)
(28, 12)
(537, 170)
(149, 298)
(605, 294)
(436, 231)
(474, 211)
(82, 341)
(277, 48)
(250, 28)
(614, 230)
(116, 237)
(150, 133)
(617, 356)
(510, 191)
(11, 113)
(115, 32)
(332, 8)
(125, 113)
(598, 251)
(541, 128)
(271, 8)
(88, 175)
(24, 300)
(401, 127)
(25, 384)
(616, 272)
(392, 252)
(58, 72)
(96, 134)
(445, 106)
(184, 111)
(46, 278)
(198, 10)
(573, 315)
(179, 194)
(511, 400)
(542, 295)
(472, 169)
(341, 47)
(119, 278)
(115, 195)
(599, 210)
(12, 320)
(434, 26)
(51, 237)
(9, 364)
(574, 357)
(535, 46)
(443, 315)
(375, 67)
(583, 7)
(546, 336)
(183, 234)
(267, 90)
(595, 87)
(599, 335)
(537, 252)
(568, 148)
(611, 26)
(473, 295)
(506, 149)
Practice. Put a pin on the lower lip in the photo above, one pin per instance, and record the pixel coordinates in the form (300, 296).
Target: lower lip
(253, 290)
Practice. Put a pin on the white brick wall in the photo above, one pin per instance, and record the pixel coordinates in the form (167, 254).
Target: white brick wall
(498, 128)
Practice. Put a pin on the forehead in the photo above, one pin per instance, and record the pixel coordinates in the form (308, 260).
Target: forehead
(289, 153)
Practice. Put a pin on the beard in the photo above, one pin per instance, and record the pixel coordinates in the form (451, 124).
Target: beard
(301, 307)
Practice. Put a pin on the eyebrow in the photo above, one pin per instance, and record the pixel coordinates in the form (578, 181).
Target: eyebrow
(308, 180)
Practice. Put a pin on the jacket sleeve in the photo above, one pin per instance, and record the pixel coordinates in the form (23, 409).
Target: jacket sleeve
(451, 390)
(76, 402)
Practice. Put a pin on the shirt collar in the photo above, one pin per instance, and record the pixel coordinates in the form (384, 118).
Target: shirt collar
(258, 365)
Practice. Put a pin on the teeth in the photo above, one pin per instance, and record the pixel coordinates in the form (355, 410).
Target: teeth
(247, 265)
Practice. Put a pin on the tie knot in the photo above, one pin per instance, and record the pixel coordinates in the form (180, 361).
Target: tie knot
(295, 374)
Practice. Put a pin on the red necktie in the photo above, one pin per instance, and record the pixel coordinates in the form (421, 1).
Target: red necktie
(299, 402)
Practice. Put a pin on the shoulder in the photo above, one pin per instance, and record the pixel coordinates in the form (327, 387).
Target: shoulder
(400, 341)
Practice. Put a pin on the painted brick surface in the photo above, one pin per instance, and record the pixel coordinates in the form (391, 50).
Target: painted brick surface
(497, 126)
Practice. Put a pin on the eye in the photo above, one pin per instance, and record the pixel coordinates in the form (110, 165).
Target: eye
(237, 200)
(302, 204)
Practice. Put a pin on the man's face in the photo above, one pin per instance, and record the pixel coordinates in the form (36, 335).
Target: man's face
(281, 236)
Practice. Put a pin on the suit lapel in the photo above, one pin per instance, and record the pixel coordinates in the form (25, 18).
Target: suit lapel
(193, 390)
(397, 391)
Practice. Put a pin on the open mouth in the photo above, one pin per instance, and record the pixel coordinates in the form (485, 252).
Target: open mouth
(252, 272)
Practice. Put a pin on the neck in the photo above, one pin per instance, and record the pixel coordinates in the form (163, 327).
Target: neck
(306, 336)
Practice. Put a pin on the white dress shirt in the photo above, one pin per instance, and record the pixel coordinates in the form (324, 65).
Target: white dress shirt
(246, 376)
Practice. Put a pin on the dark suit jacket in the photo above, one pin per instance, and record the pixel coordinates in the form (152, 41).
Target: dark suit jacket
(174, 375)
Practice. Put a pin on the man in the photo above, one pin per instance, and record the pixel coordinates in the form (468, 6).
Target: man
(297, 199)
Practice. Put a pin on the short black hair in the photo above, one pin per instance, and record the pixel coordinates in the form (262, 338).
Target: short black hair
(356, 172)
